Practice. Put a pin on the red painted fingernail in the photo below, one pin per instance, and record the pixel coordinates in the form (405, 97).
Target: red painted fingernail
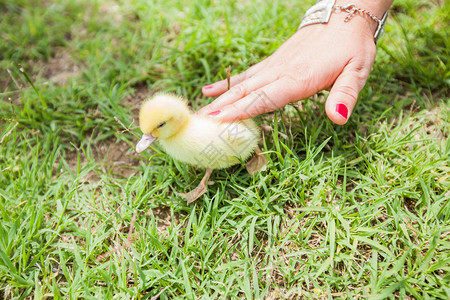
(214, 113)
(342, 110)
(207, 87)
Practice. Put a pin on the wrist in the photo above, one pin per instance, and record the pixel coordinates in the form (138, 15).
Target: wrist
(371, 15)
(377, 7)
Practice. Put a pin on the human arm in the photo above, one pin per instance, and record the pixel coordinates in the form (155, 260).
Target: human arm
(337, 55)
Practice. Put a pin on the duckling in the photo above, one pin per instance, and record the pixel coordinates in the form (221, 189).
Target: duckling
(196, 140)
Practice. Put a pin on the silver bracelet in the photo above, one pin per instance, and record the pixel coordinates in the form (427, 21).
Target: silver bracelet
(321, 12)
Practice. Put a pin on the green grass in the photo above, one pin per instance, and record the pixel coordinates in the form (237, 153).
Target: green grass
(355, 211)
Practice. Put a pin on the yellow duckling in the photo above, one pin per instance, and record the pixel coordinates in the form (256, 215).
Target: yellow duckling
(197, 140)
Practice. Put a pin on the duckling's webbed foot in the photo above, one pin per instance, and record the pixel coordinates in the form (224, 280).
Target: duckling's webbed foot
(199, 190)
(257, 163)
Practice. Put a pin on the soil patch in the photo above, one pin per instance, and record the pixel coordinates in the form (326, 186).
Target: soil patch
(116, 156)
(134, 101)
(112, 157)
(60, 68)
(164, 218)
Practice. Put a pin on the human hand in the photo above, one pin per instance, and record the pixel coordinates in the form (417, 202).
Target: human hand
(337, 55)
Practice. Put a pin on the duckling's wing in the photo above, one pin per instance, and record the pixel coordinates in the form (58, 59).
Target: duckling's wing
(240, 137)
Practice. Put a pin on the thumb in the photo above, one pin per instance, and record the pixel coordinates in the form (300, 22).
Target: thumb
(344, 94)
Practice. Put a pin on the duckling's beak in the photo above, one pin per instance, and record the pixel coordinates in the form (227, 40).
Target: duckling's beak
(145, 141)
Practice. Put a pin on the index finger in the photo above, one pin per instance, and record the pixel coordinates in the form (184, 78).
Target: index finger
(266, 99)
(238, 92)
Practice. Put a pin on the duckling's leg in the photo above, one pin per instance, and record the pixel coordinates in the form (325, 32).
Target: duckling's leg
(257, 163)
(199, 190)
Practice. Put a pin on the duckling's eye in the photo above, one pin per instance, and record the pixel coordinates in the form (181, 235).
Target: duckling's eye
(161, 125)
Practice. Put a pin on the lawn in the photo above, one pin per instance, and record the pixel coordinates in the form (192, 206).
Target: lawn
(356, 211)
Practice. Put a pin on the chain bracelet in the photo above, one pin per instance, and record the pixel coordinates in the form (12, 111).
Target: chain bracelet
(322, 10)
(352, 9)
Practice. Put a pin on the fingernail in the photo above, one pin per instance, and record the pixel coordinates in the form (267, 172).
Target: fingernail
(214, 113)
(342, 110)
(207, 87)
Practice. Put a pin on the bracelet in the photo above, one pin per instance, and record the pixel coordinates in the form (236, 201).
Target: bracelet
(321, 12)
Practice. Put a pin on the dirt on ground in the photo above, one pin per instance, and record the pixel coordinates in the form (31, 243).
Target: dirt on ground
(112, 156)
(134, 101)
(60, 68)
